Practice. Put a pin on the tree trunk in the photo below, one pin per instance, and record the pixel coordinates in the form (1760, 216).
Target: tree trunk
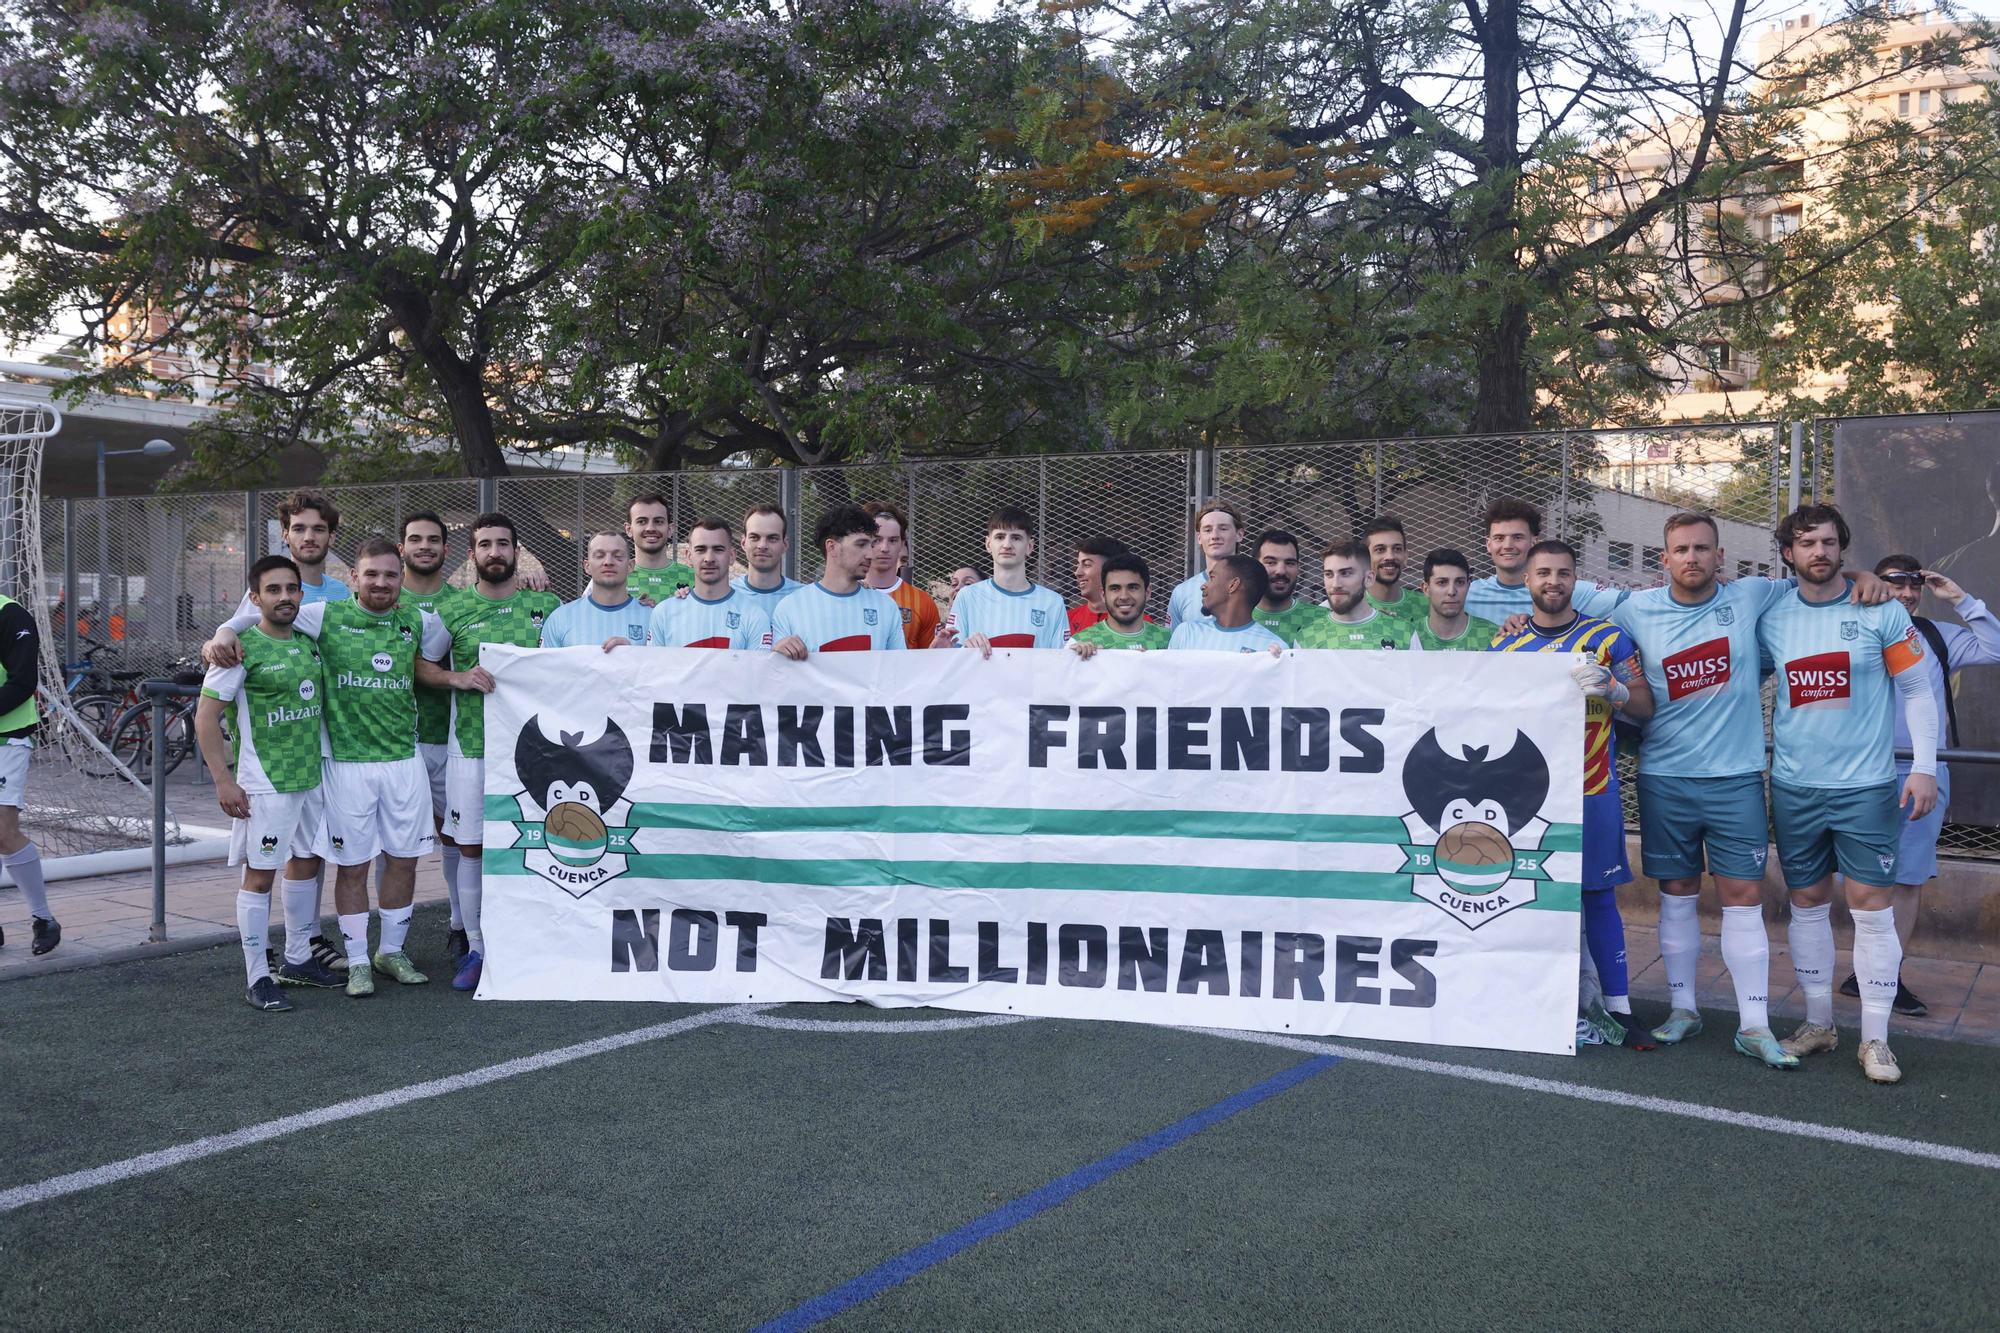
(1505, 397)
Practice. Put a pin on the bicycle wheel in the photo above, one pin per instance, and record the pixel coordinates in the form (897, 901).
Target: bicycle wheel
(131, 741)
(180, 736)
(96, 711)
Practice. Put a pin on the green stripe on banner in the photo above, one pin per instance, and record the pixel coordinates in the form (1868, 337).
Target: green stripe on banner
(1351, 885)
(992, 820)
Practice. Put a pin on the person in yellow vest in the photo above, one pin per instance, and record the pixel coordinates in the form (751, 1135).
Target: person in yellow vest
(20, 657)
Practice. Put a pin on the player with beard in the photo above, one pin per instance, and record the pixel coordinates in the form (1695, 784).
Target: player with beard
(1281, 611)
(372, 783)
(1351, 620)
(1125, 584)
(1217, 530)
(1701, 771)
(423, 550)
(1836, 803)
(649, 522)
(1606, 668)
(764, 539)
(714, 614)
(272, 796)
(840, 613)
(1386, 545)
(885, 574)
(1445, 628)
(496, 609)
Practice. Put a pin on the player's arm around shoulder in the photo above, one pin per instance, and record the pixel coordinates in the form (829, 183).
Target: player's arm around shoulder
(218, 688)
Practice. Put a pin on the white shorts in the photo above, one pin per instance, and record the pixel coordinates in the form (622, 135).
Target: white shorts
(375, 808)
(436, 759)
(14, 770)
(465, 801)
(281, 825)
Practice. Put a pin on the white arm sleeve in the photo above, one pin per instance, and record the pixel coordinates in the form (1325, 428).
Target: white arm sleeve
(1920, 714)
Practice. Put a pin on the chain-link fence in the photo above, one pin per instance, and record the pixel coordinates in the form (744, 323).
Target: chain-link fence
(153, 575)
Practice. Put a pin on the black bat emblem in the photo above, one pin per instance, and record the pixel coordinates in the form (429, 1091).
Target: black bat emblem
(1517, 780)
(605, 764)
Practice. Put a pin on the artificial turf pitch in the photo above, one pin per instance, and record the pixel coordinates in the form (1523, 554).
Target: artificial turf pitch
(726, 1175)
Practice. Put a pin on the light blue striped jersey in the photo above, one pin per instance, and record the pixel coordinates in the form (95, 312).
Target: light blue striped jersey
(1831, 726)
(1490, 599)
(585, 621)
(1035, 617)
(766, 599)
(733, 621)
(831, 622)
(1701, 662)
(1208, 636)
(1185, 604)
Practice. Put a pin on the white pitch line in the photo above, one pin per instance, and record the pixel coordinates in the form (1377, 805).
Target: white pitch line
(76, 1182)
(1770, 1124)
(887, 1028)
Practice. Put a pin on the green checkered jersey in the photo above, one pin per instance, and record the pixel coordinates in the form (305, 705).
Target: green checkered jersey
(1477, 636)
(368, 674)
(474, 619)
(1151, 635)
(274, 729)
(1291, 623)
(1410, 608)
(1378, 631)
(433, 705)
(656, 585)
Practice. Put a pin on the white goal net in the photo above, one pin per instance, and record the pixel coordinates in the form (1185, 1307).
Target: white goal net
(81, 798)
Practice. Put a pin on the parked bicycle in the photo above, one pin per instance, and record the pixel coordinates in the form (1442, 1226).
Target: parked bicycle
(130, 737)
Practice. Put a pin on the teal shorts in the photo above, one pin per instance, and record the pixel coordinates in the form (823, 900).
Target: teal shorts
(1854, 830)
(1687, 825)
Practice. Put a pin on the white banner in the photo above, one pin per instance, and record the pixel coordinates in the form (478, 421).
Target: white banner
(1365, 844)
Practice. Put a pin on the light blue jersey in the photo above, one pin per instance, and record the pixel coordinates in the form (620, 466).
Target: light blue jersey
(864, 620)
(1034, 617)
(1974, 642)
(766, 599)
(693, 621)
(1185, 604)
(1490, 599)
(584, 621)
(1205, 634)
(1701, 662)
(1831, 727)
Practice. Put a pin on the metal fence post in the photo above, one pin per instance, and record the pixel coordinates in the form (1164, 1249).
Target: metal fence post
(252, 517)
(69, 581)
(788, 500)
(489, 495)
(910, 513)
(1378, 480)
(1562, 492)
(1798, 451)
(156, 690)
(1042, 522)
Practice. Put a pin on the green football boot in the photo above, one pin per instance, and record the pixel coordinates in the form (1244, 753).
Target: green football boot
(1761, 1044)
(1680, 1025)
(360, 981)
(399, 966)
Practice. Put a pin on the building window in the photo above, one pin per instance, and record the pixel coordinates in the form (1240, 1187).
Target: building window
(1720, 357)
(1785, 221)
(1653, 554)
(1902, 104)
(1743, 568)
(1924, 100)
(1621, 555)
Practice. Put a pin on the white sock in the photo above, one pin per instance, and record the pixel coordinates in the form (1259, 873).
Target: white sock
(253, 925)
(26, 867)
(1811, 938)
(1680, 948)
(470, 891)
(319, 896)
(354, 930)
(450, 856)
(395, 928)
(1878, 962)
(1746, 952)
(301, 918)
(1618, 1004)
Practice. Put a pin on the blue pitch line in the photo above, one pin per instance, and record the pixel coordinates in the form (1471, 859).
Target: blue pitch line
(900, 1269)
